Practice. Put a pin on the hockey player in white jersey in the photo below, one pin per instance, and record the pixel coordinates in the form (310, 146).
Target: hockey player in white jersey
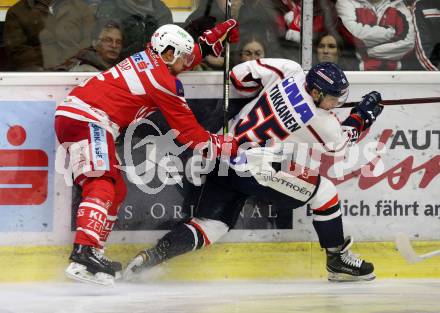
(289, 108)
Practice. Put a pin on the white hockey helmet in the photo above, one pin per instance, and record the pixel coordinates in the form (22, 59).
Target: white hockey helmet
(174, 36)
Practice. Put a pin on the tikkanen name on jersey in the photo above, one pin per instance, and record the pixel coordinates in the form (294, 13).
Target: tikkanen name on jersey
(296, 100)
(283, 111)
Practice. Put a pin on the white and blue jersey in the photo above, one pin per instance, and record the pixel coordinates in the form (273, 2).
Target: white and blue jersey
(282, 112)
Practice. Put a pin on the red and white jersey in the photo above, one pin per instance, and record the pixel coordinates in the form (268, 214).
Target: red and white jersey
(131, 90)
(282, 114)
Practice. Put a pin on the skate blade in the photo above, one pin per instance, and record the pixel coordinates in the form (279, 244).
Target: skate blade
(342, 277)
(130, 276)
(129, 273)
(79, 273)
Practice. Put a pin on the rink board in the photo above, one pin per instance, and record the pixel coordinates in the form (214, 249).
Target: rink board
(225, 261)
(403, 197)
(36, 232)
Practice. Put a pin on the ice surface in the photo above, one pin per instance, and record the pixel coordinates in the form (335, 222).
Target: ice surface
(381, 296)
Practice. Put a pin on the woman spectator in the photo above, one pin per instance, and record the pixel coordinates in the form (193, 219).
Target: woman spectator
(329, 47)
(252, 47)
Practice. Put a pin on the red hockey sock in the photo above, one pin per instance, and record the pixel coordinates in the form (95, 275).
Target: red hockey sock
(108, 226)
(98, 194)
(112, 214)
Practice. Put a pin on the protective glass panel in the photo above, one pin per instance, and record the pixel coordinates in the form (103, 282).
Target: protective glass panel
(382, 35)
(377, 35)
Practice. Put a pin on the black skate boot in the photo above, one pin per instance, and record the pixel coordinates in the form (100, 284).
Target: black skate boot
(342, 265)
(116, 266)
(90, 265)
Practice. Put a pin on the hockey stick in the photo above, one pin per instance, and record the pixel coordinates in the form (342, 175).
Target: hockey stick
(399, 101)
(405, 248)
(226, 75)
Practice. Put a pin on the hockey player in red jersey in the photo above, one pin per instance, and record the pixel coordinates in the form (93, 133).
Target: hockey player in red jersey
(89, 120)
(289, 109)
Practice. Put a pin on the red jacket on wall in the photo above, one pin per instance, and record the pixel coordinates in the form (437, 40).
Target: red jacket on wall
(382, 31)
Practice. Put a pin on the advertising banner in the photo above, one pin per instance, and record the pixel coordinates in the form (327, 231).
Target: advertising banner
(26, 166)
(389, 182)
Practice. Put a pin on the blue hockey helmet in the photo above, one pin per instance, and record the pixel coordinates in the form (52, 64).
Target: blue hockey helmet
(329, 79)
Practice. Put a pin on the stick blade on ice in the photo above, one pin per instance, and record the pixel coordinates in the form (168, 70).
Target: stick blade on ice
(406, 250)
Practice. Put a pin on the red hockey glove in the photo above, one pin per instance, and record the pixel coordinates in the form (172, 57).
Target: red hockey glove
(222, 145)
(214, 37)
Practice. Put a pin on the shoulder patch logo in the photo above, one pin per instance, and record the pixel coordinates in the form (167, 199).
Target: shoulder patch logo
(142, 61)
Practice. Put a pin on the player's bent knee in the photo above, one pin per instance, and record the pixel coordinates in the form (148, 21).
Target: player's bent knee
(211, 230)
(326, 196)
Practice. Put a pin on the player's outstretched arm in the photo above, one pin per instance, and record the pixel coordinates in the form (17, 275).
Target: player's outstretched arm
(361, 117)
(211, 41)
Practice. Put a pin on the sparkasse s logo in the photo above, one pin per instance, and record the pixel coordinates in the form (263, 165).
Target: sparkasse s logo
(23, 172)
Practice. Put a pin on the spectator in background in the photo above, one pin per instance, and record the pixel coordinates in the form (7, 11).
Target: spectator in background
(262, 16)
(40, 34)
(103, 54)
(23, 24)
(68, 29)
(324, 20)
(328, 47)
(138, 20)
(381, 30)
(256, 16)
(252, 47)
(426, 17)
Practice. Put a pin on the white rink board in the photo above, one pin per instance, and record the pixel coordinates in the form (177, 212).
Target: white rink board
(408, 123)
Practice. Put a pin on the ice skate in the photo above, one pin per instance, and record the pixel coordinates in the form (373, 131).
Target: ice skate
(91, 266)
(345, 266)
(117, 266)
(143, 260)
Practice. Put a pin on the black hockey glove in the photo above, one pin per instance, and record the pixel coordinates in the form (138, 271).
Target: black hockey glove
(369, 108)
